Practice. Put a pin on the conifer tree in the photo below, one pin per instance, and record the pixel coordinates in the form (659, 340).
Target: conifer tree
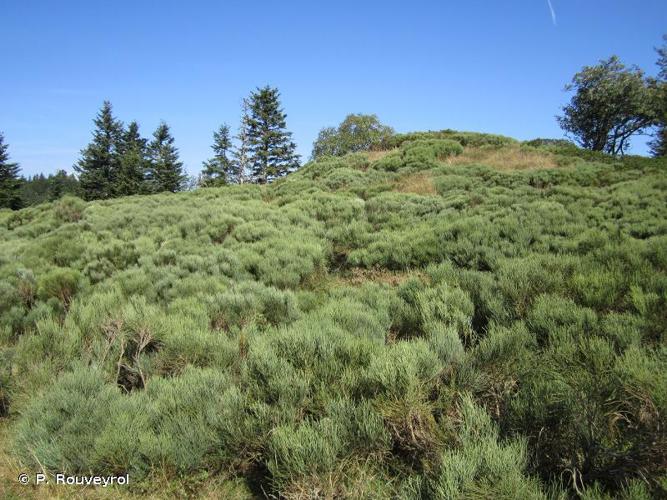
(100, 160)
(659, 143)
(166, 171)
(57, 188)
(133, 163)
(272, 152)
(10, 182)
(240, 154)
(220, 169)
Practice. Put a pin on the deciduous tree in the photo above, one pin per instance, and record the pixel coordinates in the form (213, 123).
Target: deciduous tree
(355, 133)
(611, 103)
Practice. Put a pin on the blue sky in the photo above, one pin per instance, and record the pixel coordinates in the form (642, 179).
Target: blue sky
(478, 65)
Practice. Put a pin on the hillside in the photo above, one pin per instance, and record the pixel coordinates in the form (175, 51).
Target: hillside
(462, 316)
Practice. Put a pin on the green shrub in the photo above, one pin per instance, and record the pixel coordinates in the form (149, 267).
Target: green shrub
(390, 163)
(307, 454)
(69, 209)
(402, 369)
(58, 430)
(314, 337)
(62, 284)
(553, 316)
(249, 303)
(481, 466)
(430, 149)
(464, 138)
(576, 393)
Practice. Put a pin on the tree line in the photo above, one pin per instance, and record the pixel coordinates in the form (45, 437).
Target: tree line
(120, 162)
(42, 188)
(611, 104)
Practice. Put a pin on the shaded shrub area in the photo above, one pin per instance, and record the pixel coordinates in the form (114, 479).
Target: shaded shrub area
(511, 346)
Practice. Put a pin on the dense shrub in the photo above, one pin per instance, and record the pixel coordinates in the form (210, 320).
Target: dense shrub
(394, 324)
(69, 209)
(425, 150)
(474, 139)
(419, 154)
(251, 303)
(61, 284)
(58, 430)
(480, 463)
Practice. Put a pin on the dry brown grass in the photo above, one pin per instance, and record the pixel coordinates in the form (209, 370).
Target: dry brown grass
(352, 478)
(421, 183)
(357, 277)
(506, 158)
(377, 155)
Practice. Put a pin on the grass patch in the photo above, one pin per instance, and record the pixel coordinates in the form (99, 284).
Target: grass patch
(507, 158)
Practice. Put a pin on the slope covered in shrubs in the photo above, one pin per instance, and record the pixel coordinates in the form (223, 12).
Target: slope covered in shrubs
(411, 324)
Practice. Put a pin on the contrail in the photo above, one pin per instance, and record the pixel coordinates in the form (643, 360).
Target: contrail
(553, 13)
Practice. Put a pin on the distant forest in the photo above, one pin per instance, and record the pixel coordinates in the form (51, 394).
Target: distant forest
(40, 188)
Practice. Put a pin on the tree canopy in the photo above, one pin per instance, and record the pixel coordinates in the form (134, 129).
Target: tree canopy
(357, 132)
(611, 103)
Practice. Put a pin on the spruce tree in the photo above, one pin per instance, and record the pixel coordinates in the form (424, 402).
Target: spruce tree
(220, 169)
(659, 143)
(166, 171)
(10, 182)
(133, 163)
(272, 152)
(100, 161)
(57, 185)
(240, 154)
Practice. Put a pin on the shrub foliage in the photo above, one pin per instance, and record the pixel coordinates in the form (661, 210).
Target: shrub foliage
(334, 335)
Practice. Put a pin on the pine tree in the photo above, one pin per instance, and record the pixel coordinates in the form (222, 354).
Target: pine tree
(100, 160)
(240, 154)
(10, 182)
(220, 169)
(57, 187)
(659, 143)
(133, 163)
(166, 171)
(272, 152)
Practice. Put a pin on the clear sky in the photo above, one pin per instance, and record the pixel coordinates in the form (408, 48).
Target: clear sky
(492, 66)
